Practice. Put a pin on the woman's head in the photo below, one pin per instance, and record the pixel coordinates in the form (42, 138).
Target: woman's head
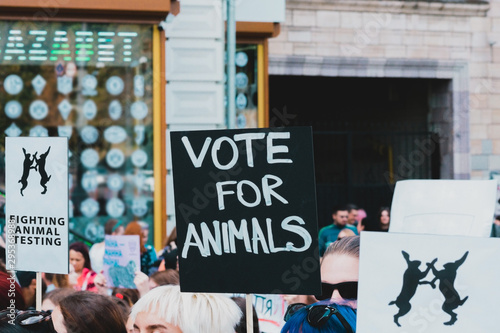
(79, 256)
(168, 276)
(320, 317)
(134, 228)
(52, 299)
(384, 217)
(166, 306)
(339, 264)
(88, 312)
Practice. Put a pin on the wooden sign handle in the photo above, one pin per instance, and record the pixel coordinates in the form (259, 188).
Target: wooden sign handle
(249, 313)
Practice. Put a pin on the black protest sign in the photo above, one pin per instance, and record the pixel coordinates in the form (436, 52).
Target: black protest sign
(246, 210)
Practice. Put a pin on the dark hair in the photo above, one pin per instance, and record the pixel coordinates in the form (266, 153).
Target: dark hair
(168, 276)
(82, 248)
(339, 207)
(350, 207)
(57, 295)
(109, 226)
(383, 209)
(347, 245)
(89, 312)
(242, 326)
(298, 322)
(131, 296)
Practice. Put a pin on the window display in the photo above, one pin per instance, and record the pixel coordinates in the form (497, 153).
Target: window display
(92, 83)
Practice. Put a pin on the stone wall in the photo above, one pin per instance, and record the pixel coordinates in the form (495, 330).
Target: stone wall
(462, 41)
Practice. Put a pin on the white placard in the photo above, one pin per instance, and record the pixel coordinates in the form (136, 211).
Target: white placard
(464, 271)
(37, 204)
(444, 207)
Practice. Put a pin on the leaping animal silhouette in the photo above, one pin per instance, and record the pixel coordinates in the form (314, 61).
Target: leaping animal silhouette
(27, 166)
(447, 278)
(411, 279)
(41, 170)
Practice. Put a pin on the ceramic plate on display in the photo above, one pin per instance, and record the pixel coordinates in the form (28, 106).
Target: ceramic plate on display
(241, 81)
(89, 207)
(39, 110)
(89, 134)
(66, 131)
(139, 158)
(139, 134)
(115, 110)
(89, 82)
(64, 109)
(38, 83)
(94, 232)
(139, 110)
(241, 59)
(115, 207)
(139, 85)
(89, 109)
(139, 207)
(13, 130)
(89, 158)
(115, 182)
(13, 109)
(241, 121)
(64, 84)
(13, 84)
(139, 180)
(39, 131)
(89, 180)
(114, 85)
(241, 101)
(115, 158)
(115, 134)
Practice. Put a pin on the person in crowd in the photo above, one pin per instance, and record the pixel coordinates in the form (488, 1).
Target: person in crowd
(83, 275)
(54, 281)
(346, 233)
(495, 228)
(168, 276)
(304, 299)
(319, 317)
(8, 285)
(29, 321)
(384, 218)
(168, 256)
(352, 214)
(130, 296)
(340, 271)
(361, 220)
(52, 299)
(112, 227)
(168, 310)
(242, 326)
(148, 253)
(27, 281)
(88, 312)
(331, 232)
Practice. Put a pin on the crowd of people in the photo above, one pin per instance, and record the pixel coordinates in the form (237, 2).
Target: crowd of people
(82, 302)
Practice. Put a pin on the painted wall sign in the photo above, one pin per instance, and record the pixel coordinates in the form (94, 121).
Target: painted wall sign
(412, 283)
(246, 210)
(37, 204)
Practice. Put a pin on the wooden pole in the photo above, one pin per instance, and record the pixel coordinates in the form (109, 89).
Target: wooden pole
(249, 313)
(38, 291)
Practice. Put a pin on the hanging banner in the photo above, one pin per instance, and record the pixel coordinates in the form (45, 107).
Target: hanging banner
(246, 211)
(36, 187)
(427, 283)
(444, 207)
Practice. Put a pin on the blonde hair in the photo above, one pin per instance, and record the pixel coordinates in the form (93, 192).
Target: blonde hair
(191, 312)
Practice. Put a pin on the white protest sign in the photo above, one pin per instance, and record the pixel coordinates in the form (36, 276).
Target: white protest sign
(122, 258)
(36, 187)
(444, 207)
(427, 283)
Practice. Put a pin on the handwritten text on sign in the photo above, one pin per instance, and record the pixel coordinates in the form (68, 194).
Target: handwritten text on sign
(257, 192)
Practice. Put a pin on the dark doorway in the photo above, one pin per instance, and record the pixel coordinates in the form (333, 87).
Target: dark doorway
(368, 133)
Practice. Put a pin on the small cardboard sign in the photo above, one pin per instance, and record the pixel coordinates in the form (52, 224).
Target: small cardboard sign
(36, 187)
(246, 211)
(444, 207)
(122, 258)
(427, 283)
